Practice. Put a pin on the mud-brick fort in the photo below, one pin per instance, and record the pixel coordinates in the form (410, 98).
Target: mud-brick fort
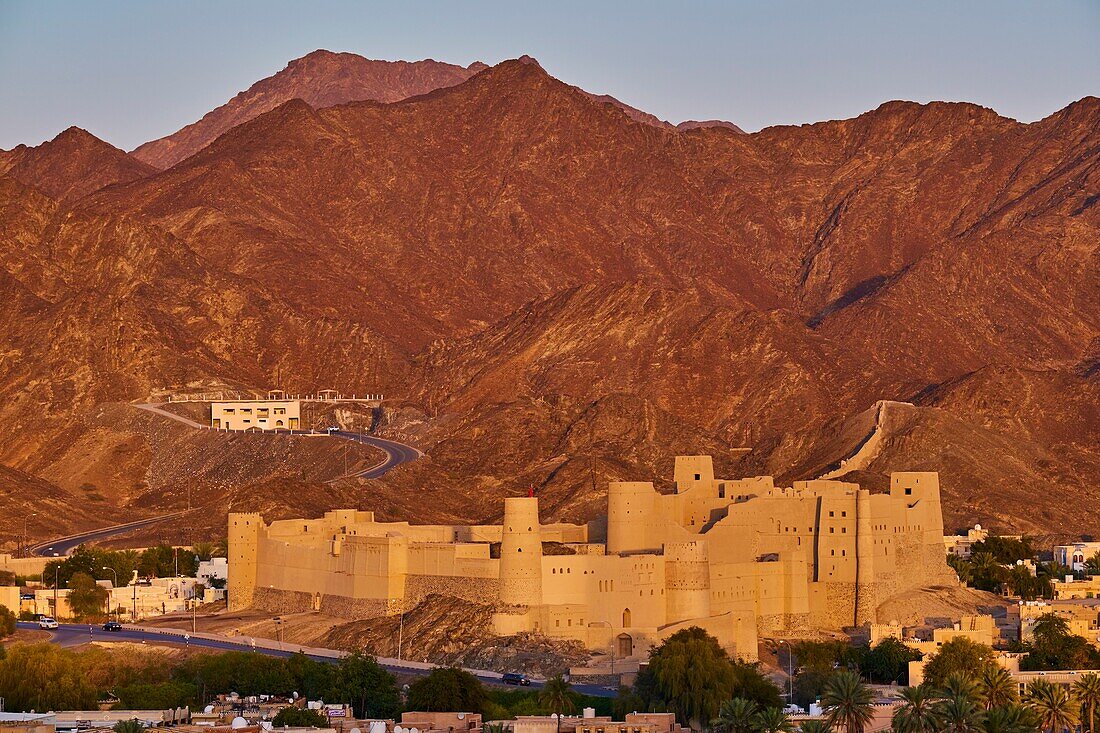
(740, 558)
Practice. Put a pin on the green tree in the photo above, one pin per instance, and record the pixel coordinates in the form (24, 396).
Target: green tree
(371, 691)
(128, 726)
(156, 696)
(996, 688)
(1013, 718)
(848, 703)
(557, 697)
(736, 716)
(312, 680)
(1005, 550)
(917, 712)
(44, 677)
(295, 717)
(86, 597)
(752, 684)
(959, 711)
(1053, 647)
(815, 726)
(888, 662)
(690, 674)
(447, 688)
(961, 655)
(627, 701)
(1087, 690)
(7, 622)
(1054, 707)
(809, 685)
(1092, 565)
(772, 720)
(203, 550)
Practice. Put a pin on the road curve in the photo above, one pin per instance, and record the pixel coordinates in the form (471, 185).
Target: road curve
(396, 453)
(64, 545)
(68, 635)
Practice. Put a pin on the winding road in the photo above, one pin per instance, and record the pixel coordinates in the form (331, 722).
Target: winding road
(64, 545)
(396, 454)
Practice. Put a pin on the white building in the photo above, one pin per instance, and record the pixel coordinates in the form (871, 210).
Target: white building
(1074, 556)
(256, 415)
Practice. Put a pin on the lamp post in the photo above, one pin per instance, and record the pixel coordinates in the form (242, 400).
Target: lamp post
(26, 534)
(400, 629)
(115, 574)
(790, 674)
(56, 568)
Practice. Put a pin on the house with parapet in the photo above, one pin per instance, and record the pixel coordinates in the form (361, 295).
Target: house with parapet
(740, 558)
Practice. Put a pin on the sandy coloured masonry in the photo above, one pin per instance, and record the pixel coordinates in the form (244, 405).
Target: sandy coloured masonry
(741, 558)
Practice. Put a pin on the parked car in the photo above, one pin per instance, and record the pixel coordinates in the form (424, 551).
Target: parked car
(515, 678)
(47, 623)
(112, 626)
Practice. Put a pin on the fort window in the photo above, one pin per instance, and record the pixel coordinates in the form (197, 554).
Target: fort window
(832, 530)
(697, 477)
(908, 492)
(844, 514)
(830, 513)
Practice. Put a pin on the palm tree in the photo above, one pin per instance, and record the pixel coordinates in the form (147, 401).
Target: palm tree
(958, 684)
(1053, 705)
(815, 726)
(917, 713)
(960, 713)
(848, 702)
(1087, 690)
(736, 716)
(996, 687)
(772, 720)
(557, 696)
(1012, 718)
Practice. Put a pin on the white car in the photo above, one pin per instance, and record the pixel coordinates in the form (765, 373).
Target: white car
(47, 623)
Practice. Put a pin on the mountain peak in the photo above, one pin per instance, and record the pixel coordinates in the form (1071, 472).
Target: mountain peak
(322, 78)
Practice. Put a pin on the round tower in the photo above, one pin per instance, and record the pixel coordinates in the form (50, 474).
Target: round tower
(521, 553)
(687, 581)
(629, 511)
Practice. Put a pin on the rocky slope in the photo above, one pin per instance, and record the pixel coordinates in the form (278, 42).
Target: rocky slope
(73, 164)
(547, 283)
(322, 79)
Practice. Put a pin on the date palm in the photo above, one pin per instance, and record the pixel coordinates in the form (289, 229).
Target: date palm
(960, 713)
(1055, 708)
(557, 696)
(736, 716)
(961, 685)
(772, 720)
(848, 703)
(1087, 690)
(917, 713)
(996, 687)
(815, 726)
(1013, 718)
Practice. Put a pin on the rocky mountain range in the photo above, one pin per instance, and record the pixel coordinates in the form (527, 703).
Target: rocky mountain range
(554, 293)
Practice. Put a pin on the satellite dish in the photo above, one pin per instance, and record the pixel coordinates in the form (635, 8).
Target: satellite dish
(208, 709)
(267, 725)
(294, 695)
(354, 730)
(238, 722)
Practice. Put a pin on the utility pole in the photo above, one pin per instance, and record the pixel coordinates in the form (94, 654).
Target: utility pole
(56, 568)
(400, 630)
(592, 450)
(26, 534)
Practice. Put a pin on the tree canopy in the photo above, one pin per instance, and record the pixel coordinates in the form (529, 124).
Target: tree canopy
(447, 688)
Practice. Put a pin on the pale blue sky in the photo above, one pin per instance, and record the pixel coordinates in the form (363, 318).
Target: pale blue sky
(133, 71)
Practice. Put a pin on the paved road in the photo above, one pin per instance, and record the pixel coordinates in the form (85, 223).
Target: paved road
(68, 635)
(396, 453)
(65, 545)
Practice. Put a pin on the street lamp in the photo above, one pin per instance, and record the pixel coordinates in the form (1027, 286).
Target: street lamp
(115, 574)
(790, 674)
(26, 534)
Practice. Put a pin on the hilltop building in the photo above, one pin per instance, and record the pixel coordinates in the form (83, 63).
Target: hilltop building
(740, 558)
(1076, 555)
(271, 414)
